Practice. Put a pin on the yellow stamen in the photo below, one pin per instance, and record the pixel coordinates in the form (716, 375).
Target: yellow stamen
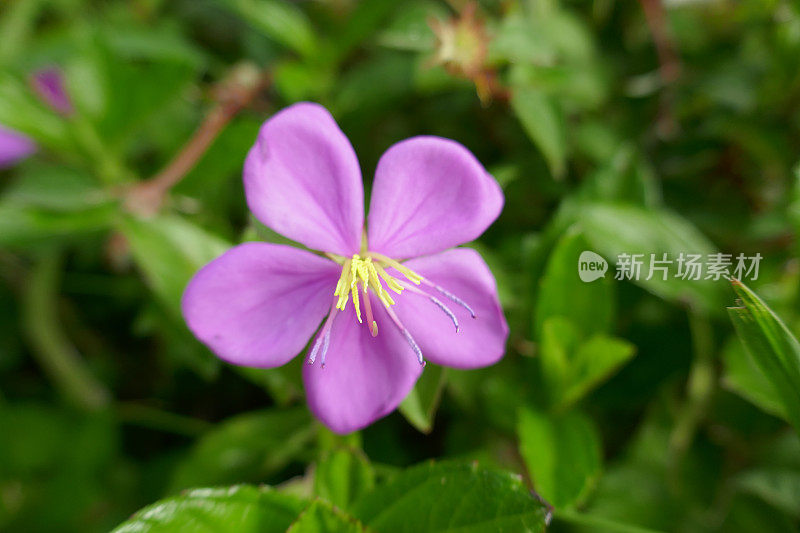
(369, 270)
(407, 272)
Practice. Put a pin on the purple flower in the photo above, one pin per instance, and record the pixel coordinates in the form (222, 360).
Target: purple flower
(14, 147)
(48, 83)
(259, 303)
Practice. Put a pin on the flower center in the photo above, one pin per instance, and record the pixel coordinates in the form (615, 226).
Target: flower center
(367, 272)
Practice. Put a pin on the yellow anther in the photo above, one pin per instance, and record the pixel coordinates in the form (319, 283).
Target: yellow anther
(369, 271)
(390, 281)
(407, 272)
(354, 290)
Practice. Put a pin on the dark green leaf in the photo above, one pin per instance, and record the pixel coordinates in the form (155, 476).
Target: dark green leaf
(248, 447)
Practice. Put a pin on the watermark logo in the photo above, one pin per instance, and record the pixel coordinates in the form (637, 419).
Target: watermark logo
(591, 266)
(685, 266)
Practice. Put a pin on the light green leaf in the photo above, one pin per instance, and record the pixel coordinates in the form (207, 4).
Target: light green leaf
(778, 487)
(170, 250)
(614, 229)
(247, 447)
(452, 496)
(595, 360)
(543, 121)
(55, 188)
(343, 476)
(562, 454)
(420, 405)
(21, 111)
(281, 21)
(27, 226)
(572, 366)
(588, 305)
(239, 509)
(743, 377)
(772, 347)
(322, 517)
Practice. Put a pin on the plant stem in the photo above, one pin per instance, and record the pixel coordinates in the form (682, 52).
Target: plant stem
(49, 345)
(700, 388)
(234, 93)
(153, 418)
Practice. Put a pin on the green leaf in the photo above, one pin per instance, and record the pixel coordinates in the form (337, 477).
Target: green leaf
(588, 305)
(595, 360)
(55, 188)
(240, 509)
(170, 250)
(27, 226)
(543, 121)
(322, 517)
(343, 476)
(743, 377)
(281, 21)
(778, 487)
(21, 111)
(614, 229)
(572, 366)
(562, 454)
(247, 447)
(421, 404)
(772, 347)
(452, 496)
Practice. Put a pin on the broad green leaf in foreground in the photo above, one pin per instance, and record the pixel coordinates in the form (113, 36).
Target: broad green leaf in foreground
(452, 496)
(322, 517)
(772, 347)
(247, 447)
(240, 509)
(562, 454)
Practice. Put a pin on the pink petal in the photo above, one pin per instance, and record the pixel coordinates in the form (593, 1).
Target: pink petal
(259, 303)
(13, 147)
(365, 377)
(429, 194)
(49, 85)
(302, 179)
(480, 341)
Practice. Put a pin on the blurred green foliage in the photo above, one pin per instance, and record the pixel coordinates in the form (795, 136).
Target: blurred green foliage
(636, 127)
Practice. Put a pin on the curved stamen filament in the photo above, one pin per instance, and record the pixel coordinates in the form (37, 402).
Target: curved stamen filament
(450, 296)
(446, 310)
(414, 346)
(324, 338)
